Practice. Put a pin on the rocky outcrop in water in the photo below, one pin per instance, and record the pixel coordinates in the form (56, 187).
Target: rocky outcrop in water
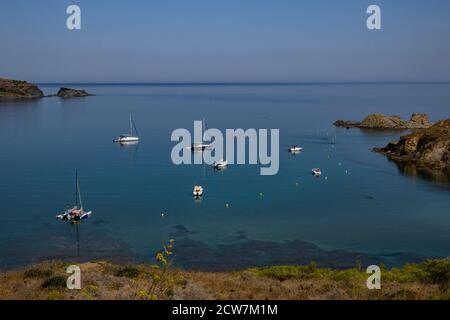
(16, 89)
(72, 93)
(427, 149)
(379, 121)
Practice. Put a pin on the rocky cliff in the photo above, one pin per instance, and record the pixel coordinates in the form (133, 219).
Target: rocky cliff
(427, 149)
(379, 121)
(16, 89)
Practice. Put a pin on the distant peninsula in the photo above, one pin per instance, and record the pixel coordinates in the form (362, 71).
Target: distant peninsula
(19, 89)
(380, 121)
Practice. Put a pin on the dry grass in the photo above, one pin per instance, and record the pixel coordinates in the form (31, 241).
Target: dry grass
(103, 280)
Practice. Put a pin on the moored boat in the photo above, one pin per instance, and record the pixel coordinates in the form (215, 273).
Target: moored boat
(295, 149)
(198, 191)
(220, 164)
(76, 213)
(132, 136)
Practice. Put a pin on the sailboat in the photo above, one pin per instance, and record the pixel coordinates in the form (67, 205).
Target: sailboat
(129, 137)
(76, 213)
(200, 146)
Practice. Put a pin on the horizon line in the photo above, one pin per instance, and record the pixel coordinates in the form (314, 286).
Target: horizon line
(238, 83)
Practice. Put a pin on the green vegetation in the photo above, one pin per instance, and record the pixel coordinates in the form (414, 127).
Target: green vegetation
(132, 271)
(37, 273)
(104, 280)
(54, 282)
(160, 285)
(430, 271)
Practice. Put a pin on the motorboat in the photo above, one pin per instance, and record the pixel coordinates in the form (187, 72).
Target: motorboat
(198, 191)
(316, 172)
(220, 164)
(295, 149)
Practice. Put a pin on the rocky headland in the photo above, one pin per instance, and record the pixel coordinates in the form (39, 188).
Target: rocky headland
(17, 89)
(379, 121)
(427, 149)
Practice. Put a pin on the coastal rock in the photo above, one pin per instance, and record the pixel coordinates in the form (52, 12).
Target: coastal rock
(16, 89)
(72, 93)
(427, 149)
(379, 121)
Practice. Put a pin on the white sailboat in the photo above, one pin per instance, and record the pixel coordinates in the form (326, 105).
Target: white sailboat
(200, 146)
(77, 213)
(131, 137)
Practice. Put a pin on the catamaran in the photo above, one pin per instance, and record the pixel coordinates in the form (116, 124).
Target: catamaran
(130, 137)
(76, 213)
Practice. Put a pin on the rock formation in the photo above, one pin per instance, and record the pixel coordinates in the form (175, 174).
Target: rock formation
(379, 121)
(72, 93)
(427, 149)
(16, 89)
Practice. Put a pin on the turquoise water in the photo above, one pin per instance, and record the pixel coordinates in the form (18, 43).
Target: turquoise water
(362, 203)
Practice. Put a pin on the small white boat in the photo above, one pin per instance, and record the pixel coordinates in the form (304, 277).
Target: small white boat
(199, 146)
(129, 137)
(198, 191)
(316, 172)
(76, 213)
(295, 149)
(220, 164)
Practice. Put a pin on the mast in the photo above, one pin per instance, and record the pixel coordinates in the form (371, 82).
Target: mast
(204, 127)
(79, 194)
(131, 126)
(76, 187)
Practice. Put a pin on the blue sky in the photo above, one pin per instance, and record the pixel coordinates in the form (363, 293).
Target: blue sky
(225, 41)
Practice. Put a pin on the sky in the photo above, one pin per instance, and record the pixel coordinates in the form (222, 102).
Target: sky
(225, 41)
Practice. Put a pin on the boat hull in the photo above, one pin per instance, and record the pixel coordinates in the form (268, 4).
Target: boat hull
(127, 139)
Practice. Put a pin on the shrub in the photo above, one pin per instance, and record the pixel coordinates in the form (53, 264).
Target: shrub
(37, 273)
(438, 272)
(54, 282)
(288, 272)
(132, 272)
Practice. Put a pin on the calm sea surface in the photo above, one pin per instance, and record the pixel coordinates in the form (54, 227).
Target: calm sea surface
(362, 206)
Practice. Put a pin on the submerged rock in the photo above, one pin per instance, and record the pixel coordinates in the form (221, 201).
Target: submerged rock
(17, 89)
(379, 121)
(72, 93)
(427, 149)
